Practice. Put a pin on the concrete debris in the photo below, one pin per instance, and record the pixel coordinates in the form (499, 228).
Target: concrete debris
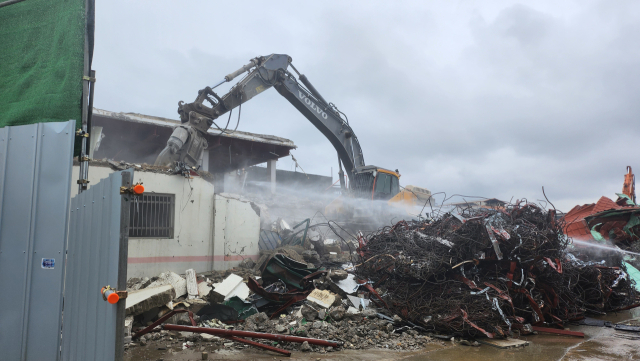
(204, 289)
(359, 303)
(128, 324)
(134, 284)
(247, 263)
(338, 275)
(352, 311)
(311, 256)
(322, 314)
(144, 300)
(308, 313)
(323, 299)
(337, 313)
(171, 278)
(282, 227)
(348, 285)
(241, 291)
(305, 347)
(192, 283)
(231, 286)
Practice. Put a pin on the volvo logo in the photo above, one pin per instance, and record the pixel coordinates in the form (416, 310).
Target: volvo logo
(312, 105)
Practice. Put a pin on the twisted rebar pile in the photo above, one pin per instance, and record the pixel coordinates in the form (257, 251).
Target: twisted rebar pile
(489, 271)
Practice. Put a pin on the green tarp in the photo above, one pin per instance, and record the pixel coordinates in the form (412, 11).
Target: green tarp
(42, 61)
(634, 274)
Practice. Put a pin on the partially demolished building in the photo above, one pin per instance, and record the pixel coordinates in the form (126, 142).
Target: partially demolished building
(190, 222)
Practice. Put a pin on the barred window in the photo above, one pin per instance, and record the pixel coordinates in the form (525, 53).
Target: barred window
(152, 216)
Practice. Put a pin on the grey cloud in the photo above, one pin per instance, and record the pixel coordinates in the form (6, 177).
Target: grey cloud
(482, 99)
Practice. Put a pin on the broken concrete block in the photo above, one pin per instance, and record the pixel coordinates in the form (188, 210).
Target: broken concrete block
(134, 284)
(308, 313)
(337, 313)
(241, 291)
(352, 311)
(208, 337)
(143, 300)
(192, 283)
(305, 347)
(348, 285)
(358, 302)
(369, 312)
(171, 278)
(322, 314)
(225, 288)
(128, 324)
(247, 263)
(323, 299)
(338, 275)
(204, 289)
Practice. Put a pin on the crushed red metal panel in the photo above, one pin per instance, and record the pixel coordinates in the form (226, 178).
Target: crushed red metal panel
(575, 223)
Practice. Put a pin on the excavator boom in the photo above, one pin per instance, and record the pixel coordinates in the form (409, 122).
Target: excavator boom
(263, 73)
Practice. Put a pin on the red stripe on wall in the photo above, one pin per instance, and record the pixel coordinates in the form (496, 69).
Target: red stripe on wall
(172, 259)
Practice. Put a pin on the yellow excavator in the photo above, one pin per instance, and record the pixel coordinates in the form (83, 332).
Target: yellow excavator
(365, 182)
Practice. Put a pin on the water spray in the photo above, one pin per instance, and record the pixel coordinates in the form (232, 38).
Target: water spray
(602, 246)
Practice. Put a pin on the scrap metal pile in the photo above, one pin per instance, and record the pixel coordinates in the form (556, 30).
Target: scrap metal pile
(489, 272)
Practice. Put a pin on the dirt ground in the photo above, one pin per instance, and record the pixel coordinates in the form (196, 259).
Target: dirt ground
(600, 343)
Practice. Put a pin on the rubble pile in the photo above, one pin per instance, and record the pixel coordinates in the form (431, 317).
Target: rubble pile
(281, 295)
(489, 272)
(477, 273)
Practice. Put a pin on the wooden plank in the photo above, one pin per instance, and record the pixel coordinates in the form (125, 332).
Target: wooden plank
(504, 343)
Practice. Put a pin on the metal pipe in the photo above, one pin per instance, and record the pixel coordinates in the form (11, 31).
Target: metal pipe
(312, 89)
(220, 83)
(161, 320)
(267, 336)
(252, 63)
(257, 344)
(341, 175)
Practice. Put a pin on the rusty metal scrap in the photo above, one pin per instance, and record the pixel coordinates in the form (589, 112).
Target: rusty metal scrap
(486, 272)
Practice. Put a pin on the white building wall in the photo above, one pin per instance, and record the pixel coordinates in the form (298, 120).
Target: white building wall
(236, 231)
(194, 240)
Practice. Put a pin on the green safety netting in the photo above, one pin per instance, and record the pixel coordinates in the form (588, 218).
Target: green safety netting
(42, 60)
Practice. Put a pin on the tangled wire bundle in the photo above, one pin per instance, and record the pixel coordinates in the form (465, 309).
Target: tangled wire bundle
(488, 272)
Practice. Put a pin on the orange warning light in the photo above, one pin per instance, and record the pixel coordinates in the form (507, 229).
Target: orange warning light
(138, 189)
(113, 298)
(110, 295)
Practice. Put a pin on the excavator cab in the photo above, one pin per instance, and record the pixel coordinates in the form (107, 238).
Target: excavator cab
(375, 183)
(369, 185)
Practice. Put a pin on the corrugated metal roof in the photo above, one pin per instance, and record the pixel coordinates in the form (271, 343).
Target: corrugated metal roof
(171, 123)
(576, 226)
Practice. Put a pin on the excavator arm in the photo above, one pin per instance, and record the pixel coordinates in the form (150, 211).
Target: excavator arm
(187, 141)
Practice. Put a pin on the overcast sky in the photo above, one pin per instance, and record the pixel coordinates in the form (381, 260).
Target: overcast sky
(483, 98)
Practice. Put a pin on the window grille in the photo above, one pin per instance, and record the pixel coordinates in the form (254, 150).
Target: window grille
(152, 216)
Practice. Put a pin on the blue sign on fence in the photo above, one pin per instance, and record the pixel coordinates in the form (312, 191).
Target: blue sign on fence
(48, 263)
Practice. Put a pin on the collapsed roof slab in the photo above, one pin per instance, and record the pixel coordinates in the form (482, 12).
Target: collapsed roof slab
(139, 138)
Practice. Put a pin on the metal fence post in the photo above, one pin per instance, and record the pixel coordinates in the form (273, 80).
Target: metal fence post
(122, 263)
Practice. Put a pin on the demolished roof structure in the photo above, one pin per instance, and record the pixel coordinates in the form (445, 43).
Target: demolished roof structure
(605, 220)
(144, 136)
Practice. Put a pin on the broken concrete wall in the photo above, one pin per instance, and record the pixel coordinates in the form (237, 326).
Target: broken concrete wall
(191, 245)
(236, 231)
